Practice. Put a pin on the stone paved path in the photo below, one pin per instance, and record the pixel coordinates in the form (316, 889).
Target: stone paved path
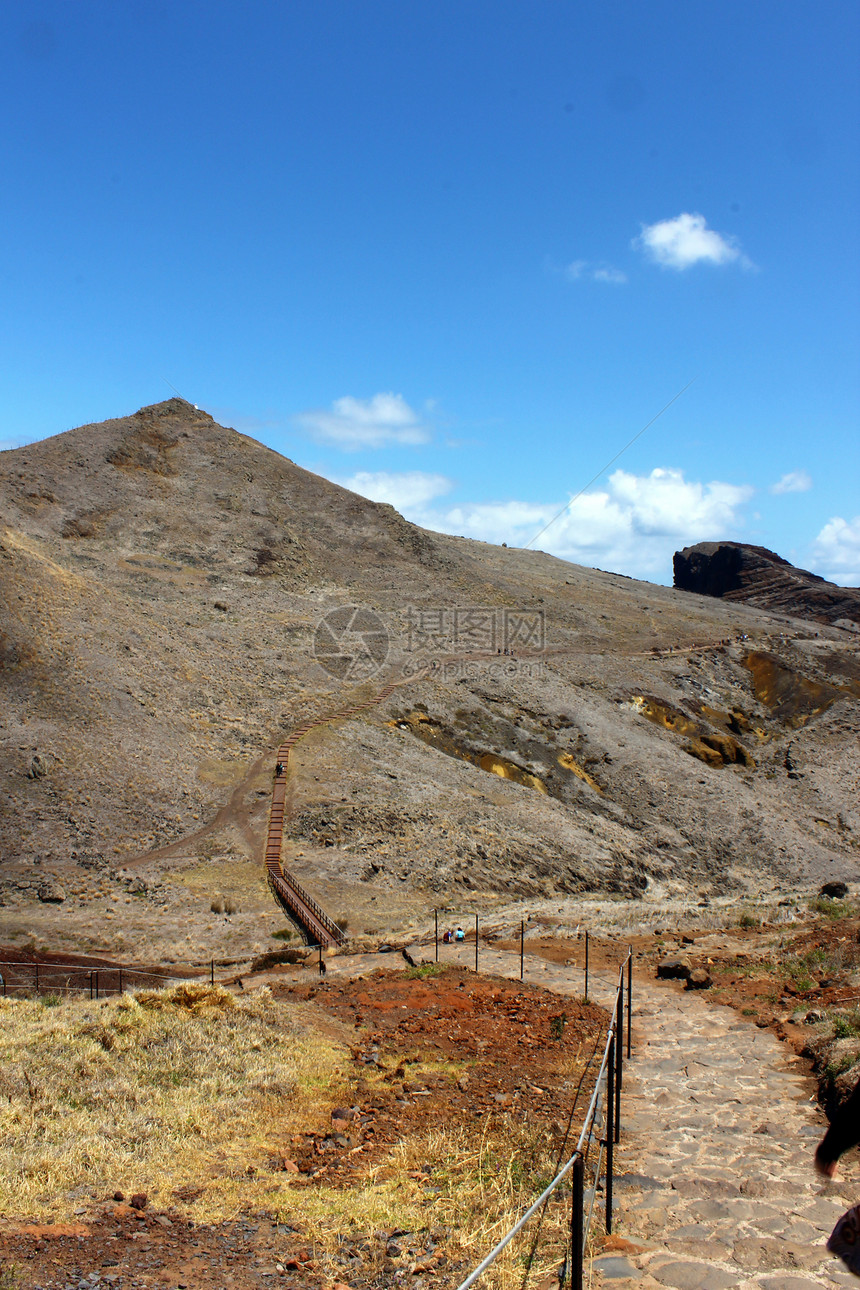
(717, 1151)
(714, 1180)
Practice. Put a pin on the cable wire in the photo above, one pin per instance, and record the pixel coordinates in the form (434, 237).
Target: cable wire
(609, 463)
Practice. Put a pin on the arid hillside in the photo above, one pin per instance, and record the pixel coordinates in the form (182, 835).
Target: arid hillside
(163, 581)
(759, 577)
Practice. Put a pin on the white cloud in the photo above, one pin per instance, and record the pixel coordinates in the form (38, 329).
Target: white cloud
(796, 481)
(836, 551)
(404, 490)
(365, 423)
(633, 525)
(585, 269)
(686, 240)
(606, 273)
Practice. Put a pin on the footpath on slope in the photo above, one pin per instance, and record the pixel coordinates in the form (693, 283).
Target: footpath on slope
(719, 1134)
(714, 1180)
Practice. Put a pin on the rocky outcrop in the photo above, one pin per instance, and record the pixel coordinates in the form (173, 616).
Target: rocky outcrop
(736, 571)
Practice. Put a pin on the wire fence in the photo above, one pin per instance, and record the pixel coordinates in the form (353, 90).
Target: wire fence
(593, 1161)
(58, 979)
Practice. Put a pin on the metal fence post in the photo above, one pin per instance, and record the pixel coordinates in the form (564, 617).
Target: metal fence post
(211, 971)
(629, 998)
(436, 931)
(610, 1131)
(91, 985)
(585, 996)
(97, 984)
(522, 948)
(120, 980)
(577, 1235)
(476, 942)
(37, 978)
(619, 1054)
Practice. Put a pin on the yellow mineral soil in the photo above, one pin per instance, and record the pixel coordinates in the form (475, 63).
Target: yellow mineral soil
(719, 750)
(569, 763)
(792, 697)
(662, 714)
(735, 721)
(420, 724)
(510, 770)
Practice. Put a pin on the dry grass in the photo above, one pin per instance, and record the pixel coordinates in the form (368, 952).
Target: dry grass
(482, 1178)
(187, 1093)
(163, 1091)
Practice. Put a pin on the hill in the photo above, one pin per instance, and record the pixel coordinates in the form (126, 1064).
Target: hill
(756, 576)
(163, 582)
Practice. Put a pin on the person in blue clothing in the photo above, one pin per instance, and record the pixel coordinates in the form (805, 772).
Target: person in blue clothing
(459, 935)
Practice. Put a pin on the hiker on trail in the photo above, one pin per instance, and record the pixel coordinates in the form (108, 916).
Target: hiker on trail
(448, 938)
(279, 770)
(459, 935)
(844, 1133)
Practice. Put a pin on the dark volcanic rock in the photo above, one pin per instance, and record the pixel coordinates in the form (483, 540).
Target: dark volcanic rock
(736, 571)
(836, 890)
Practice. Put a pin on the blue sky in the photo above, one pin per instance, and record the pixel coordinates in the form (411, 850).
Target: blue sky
(457, 254)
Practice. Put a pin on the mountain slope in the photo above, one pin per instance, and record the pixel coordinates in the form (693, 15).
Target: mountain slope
(162, 581)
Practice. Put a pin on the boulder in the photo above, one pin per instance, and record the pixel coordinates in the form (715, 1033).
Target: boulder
(699, 979)
(836, 890)
(52, 894)
(276, 957)
(674, 968)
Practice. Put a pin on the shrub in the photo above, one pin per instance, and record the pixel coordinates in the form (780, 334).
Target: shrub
(422, 970)
(217, 905)
(830, 908)
(846, 1026)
